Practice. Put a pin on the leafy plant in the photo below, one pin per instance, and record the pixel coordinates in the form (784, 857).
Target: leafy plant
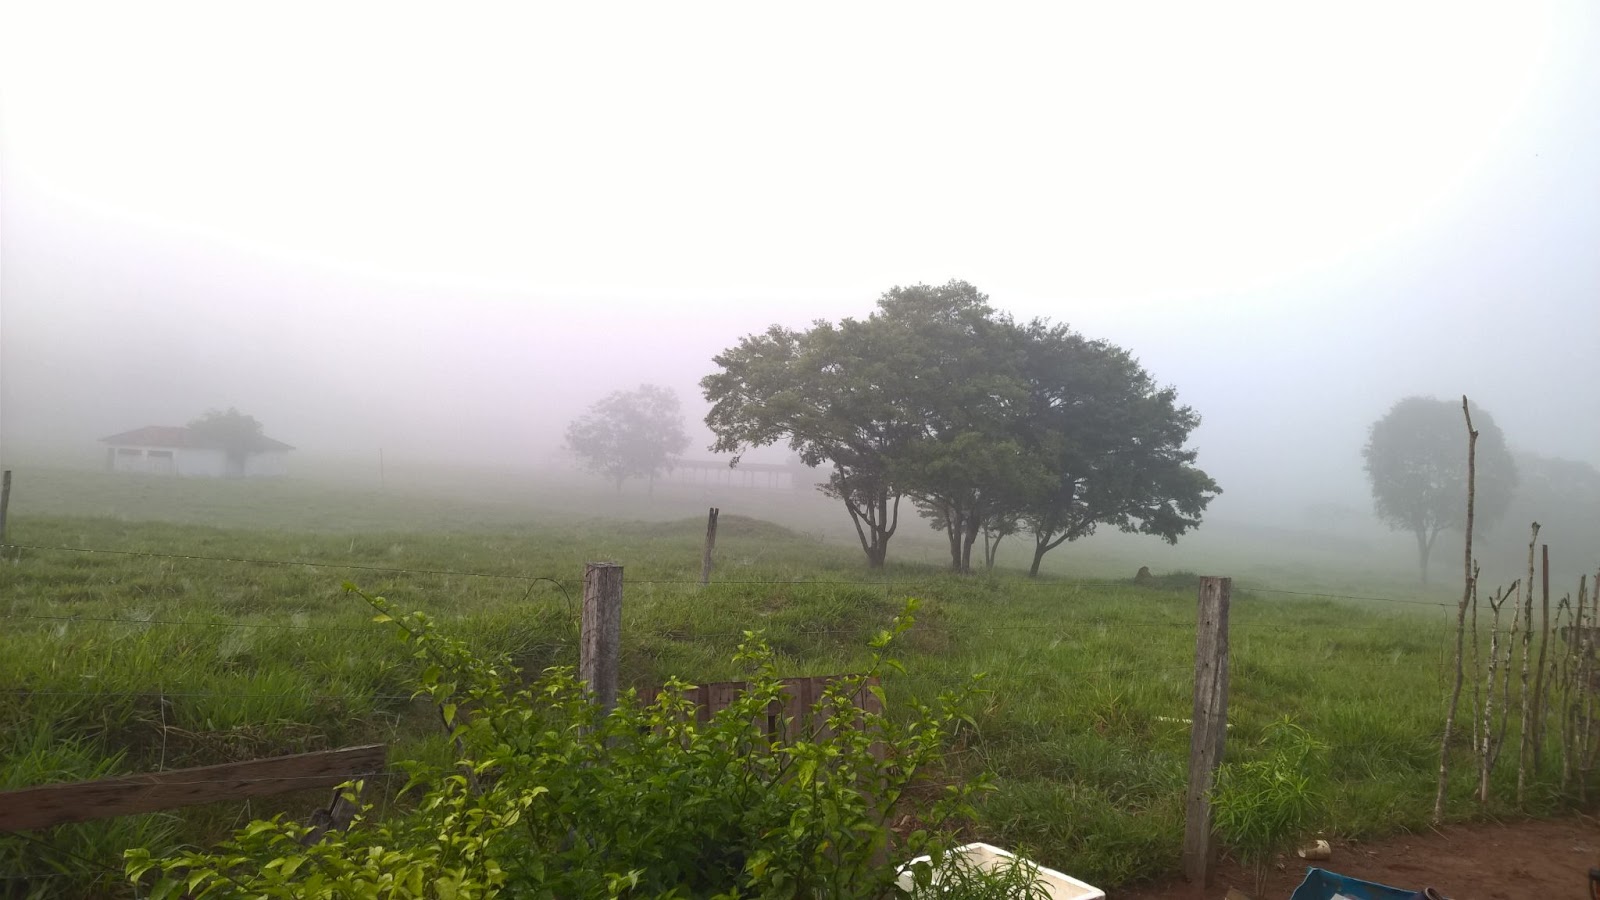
(552, 797)
(1263, 806)
(958, 876)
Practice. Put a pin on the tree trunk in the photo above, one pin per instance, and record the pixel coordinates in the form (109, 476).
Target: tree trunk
(874, 526)
(990, 549)
(952, 532)
(968, 538)
(875, 556)
(1038, 556)
(1424, 548)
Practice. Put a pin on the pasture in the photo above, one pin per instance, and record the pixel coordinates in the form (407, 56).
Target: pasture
(209, 624)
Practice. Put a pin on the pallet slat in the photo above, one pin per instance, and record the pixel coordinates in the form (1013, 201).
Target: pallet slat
(61, 804)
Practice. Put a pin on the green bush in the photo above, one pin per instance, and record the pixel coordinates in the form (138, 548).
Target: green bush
(961, 878)
(1264, 805)
(552, 797)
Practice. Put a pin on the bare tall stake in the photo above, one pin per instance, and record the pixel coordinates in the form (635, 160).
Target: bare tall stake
(1461, 619)
(1585, 745)
(1568, 667)
(1527, 709)
(1209, 731)
(5, 502)
(1479, 710)
(711, 544)
(601, 644)
(1488, 747)
(1540, 706)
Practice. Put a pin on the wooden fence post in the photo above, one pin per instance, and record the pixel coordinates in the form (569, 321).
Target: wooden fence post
(711, 544)
(5, 502)
(1210, 726)
(601, 643)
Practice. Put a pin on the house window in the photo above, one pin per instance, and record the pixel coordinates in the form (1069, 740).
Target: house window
(129, 451)
(159, 462)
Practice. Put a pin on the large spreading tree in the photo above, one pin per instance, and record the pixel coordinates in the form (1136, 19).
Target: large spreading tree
(1416, 461)
(1112, 443)
(983, 423)
(630, 434)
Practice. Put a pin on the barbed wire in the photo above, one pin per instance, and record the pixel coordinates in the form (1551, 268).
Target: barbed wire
(1243, 587)
(25, 691)
(461, 573)
(668, 631)
(163, 779)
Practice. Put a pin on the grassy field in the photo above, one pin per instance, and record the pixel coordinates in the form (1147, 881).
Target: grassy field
(188, 645)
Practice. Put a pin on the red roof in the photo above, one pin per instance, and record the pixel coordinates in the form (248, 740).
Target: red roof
(178, 436)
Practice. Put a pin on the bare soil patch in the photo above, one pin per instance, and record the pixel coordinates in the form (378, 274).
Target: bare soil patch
(1507, 861)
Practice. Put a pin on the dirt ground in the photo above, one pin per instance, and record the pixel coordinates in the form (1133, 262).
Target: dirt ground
(1510, 861)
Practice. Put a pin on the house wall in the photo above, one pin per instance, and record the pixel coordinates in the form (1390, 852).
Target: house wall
(267, 464)
(193, 463)
(143, 460)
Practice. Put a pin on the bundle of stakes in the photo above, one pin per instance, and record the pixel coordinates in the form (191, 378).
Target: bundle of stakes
(1556, 658)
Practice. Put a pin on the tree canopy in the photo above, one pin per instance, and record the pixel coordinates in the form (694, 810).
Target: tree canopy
(233, 431)
(1563, 496)
(985, 424)
(630, 434)
(1112, 443)
(1416, 462)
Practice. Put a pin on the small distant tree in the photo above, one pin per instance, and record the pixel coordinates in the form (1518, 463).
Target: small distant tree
(1562, 495)
(630, 434)
(237, 434)
(1416, 461)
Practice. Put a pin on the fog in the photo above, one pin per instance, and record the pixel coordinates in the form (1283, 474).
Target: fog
(444, 232)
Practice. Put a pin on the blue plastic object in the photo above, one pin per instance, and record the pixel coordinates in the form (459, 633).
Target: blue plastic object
(1320, 884)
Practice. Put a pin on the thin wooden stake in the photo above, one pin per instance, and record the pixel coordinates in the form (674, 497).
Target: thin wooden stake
(601, 643)
(1477, 668)
(1461, 620)
(1563, 682)
(1209, 732)
(1524, 744)
(5, 502)
(1540, 686)
(711, 544)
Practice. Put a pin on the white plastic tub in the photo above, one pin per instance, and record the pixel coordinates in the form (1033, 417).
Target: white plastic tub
(1059, 885)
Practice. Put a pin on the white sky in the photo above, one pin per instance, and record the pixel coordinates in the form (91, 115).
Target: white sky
(1296, 213)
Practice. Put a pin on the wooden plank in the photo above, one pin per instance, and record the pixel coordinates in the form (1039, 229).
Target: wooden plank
(794, 710)
(60, 804)
(721, 694)
(1209, 732)
(600, 645)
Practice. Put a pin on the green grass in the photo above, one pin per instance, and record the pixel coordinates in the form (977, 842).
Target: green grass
(204, 660)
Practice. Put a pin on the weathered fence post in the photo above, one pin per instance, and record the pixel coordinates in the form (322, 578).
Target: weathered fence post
(1210, 726)
(711, 544)
(601, 643)
(5, 502)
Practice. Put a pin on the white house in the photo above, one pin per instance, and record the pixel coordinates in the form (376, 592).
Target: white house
(175, 450)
